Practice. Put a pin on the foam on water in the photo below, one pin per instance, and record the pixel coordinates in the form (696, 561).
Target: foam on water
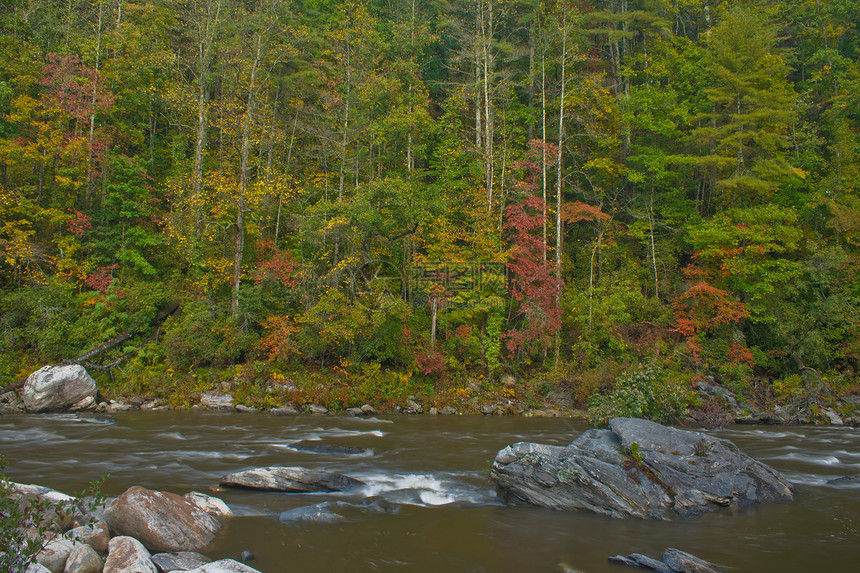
(422, 489)
(818, 460)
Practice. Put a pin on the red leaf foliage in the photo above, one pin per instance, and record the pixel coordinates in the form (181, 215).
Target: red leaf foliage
(77, 89)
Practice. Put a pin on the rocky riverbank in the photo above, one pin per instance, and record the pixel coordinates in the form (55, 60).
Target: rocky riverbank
(70, 388)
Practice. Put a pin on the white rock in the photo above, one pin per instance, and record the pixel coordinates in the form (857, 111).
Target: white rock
(128, 555)
(83, 559)
(211, 505)
(224, 566)
(55, 388)
(53, 556)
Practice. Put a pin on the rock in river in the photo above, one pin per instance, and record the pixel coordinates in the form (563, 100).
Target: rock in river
(637, 468)
(289, 479)
(56, 388)
(162, 521)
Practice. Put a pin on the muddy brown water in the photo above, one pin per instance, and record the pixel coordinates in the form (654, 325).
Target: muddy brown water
(432, 470)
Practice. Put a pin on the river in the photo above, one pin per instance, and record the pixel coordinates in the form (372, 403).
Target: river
(435, 469)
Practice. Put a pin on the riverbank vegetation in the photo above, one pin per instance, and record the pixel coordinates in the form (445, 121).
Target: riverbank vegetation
(364, 200)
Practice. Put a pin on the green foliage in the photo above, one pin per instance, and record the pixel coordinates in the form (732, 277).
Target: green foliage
(205, 336)
(28, 522)
(643, 392)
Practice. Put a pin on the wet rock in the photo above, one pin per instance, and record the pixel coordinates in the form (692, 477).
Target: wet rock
(162, 521)
(448, 411)
(369, 410)
(854, 421)
(433, 411)
(217, 401)
(83, 559)
(845, 480)
(489, 409)
(318, 513)
(247, 409)
(55, 388)
(317, 409)
(683, 562)
(285, 410)
(54, 555)
(179, 561)
(128, 555)
(637, 468)
(211, 505)
(95, 535)
(289, 479)
(88, 403)
(224, 566)
(354, 412)
(246, 556)
(643, 561)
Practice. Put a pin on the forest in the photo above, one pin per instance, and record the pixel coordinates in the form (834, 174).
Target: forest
(394, 197)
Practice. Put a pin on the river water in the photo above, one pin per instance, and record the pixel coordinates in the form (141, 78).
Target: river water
(443, 514)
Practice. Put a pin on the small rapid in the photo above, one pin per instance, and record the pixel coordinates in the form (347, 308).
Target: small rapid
(426, 503)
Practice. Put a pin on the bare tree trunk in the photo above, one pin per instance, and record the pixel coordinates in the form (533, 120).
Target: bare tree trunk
(243, 179)
(559, 180)
(208, 27)
(93, 103)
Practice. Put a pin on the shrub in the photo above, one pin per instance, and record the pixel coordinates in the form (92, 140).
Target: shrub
(643, 392)
(202, 336)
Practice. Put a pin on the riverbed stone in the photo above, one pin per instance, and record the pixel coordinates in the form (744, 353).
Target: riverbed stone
(162, 521)
(637, 468)
(290, 479)
(55, 388)
(217, 401)
(83, 559)
(128, 555)
(179, 561)
(95, 535)
(53, 555)
(224, 566)
(318, 513)
(210, 504)
(368, 410)
(317, 409)
(285, 410)
(683, 562)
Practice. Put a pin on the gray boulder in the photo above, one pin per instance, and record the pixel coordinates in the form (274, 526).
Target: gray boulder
(210, 504)
(179, 561)
(128, 555)
(317, 513)
(83, 559)
(224, 566)
(684, 562)
(56, 388)
(217, 401)
(637, 468)
(95, 535)
(53, 556)
(162, 521)
(289, 479)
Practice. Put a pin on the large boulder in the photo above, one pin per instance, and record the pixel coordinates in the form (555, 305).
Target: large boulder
(290, 479)
(57, 388)
(83, 559)
(637, 468)
(162, 521)
(128, 555)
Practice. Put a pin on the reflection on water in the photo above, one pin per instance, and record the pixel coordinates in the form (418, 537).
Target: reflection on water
(428, 505)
